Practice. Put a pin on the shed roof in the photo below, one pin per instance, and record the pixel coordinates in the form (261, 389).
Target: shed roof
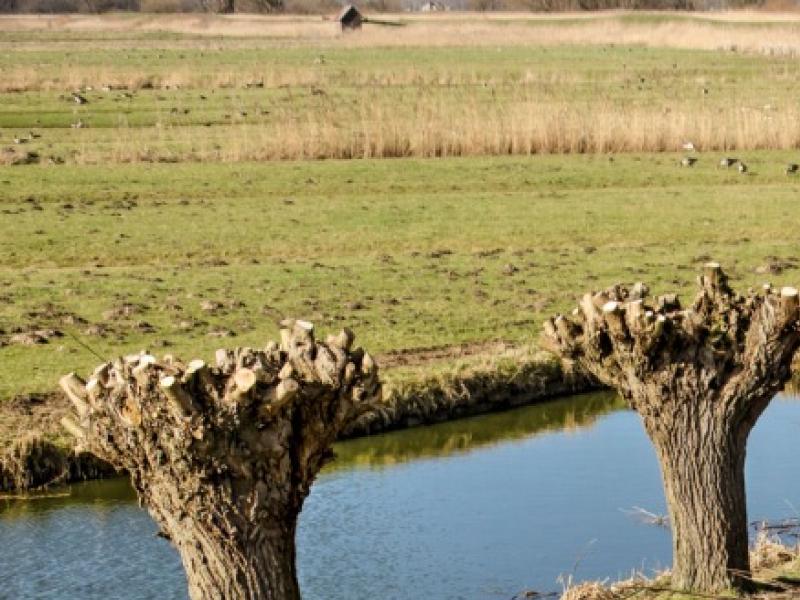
(348, 13)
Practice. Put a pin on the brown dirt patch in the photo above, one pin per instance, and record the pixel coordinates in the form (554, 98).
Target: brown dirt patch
(420, 356)
(33, 413)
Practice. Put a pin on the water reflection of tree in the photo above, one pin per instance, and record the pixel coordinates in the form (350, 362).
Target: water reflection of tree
(453, 437)
(464, 435)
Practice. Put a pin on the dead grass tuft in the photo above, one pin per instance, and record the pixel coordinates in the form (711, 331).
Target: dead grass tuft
(589, 590)
(769, 558)
(769, 553)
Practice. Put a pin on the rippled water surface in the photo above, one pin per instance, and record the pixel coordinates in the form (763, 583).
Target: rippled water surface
(476, 509)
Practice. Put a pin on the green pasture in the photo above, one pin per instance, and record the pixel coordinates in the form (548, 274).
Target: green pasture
(409, 253)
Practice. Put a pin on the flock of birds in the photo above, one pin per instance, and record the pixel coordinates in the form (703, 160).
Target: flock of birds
(24, 139)
(728, 162)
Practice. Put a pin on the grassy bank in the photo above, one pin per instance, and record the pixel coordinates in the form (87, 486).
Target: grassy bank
(36, 452)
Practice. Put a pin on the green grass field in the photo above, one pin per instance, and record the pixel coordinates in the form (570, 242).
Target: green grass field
(160, 231)
(410, 253)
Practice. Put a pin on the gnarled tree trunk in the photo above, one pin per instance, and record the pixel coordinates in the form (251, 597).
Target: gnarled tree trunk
(700, 378)
(224, 457)
(703, 471)
(251, 562)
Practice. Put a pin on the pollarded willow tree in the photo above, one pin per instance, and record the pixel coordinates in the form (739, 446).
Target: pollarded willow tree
(224, 456)
(699, 377)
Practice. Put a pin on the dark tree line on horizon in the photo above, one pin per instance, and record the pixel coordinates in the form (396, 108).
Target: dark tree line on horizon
(326, 6)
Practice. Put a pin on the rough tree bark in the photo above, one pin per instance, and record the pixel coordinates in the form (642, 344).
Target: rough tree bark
(223, 457)
(699, 377)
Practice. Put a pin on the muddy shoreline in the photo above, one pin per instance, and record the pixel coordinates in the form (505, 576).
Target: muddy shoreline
(416, 393)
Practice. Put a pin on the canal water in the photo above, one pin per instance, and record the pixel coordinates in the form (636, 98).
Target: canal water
(478, 509)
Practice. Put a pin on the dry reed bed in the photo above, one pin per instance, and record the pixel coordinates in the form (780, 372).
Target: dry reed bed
(743, 30)
(116, 78)
(521, 84)
(438, 131)
(692, 34)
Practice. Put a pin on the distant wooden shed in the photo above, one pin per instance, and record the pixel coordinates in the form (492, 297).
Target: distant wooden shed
(350, 18)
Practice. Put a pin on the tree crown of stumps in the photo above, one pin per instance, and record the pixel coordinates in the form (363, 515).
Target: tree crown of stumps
(136, 403)
(720, 345)
(223, 456)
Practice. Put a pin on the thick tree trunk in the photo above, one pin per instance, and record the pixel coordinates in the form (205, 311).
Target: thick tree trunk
(223, 457)
(703, 474)
(249, 565)
(699, 377)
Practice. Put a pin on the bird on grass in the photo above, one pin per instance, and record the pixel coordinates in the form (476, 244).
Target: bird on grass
(79, 99)
(791, 168)
(742, 168)
(688, 161)
(728, 162)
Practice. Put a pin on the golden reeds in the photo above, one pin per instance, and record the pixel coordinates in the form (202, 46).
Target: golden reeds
(744, 30)
(429, 130)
